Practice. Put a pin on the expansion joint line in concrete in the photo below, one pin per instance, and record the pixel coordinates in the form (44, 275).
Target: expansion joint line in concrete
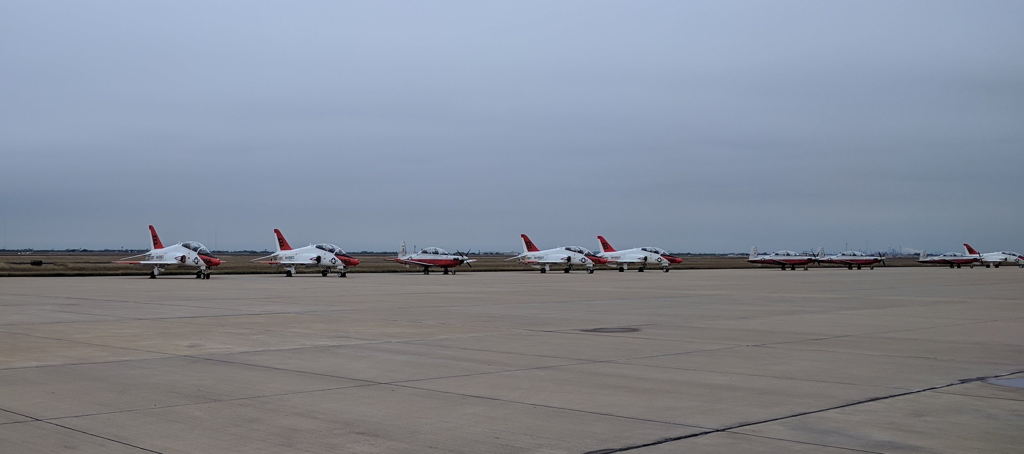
(797, 415)
(81, 431)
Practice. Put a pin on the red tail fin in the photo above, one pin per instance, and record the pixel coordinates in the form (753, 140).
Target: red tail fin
(604, 244)
(970, 250)
(155, 239)
(282, 243)
(528, 245)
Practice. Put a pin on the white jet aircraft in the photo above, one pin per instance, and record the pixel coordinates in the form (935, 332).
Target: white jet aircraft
(324, 256)
(990, 259)
(567, 256)
(784, 258)
(189, 253)
(641, 256)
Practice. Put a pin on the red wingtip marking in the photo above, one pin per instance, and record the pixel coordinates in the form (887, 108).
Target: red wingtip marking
(281, 242)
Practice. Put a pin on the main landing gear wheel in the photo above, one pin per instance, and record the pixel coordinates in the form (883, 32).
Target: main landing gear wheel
(849, 267)
(324, 273)
(972, 266)
(793, 268)
(199, 274)
(288, 273)
(858, 267)
(342, 274)
(542, 270)
(664, 270)
(590, 271)
(567, 270)
(622, 270)
(958, 265)
(152, 274)
(640, 270)
(446, 271)
(206, 275)
(426, 270)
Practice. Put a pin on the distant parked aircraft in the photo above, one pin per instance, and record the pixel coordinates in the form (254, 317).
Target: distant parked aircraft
(641, 256)
(995, 259)
(953, 259)
(854, 258)
(784, 258)
(324, 256)
(190, 253)
(567, 257)
(432, 257)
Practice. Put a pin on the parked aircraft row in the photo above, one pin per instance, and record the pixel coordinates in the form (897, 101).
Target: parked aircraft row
(851, 259)
(971, 256)
(331, 258)
(566, 257)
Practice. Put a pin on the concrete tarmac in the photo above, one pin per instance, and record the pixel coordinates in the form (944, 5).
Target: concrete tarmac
(893, 360)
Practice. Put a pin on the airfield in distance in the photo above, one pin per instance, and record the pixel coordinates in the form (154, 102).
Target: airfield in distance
(707, 361)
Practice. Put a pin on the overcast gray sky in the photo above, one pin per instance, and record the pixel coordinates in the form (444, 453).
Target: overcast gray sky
(693, 126)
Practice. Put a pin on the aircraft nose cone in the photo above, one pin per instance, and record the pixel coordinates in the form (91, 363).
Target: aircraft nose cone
(214, 262)
(354, 262)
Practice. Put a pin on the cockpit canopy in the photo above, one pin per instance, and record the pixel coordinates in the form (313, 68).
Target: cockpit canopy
(852, 254)
(579, 250)
(786, 254)
(330, 248)
(433, 251)
(952, 254)
(196, 247)
(654, 250)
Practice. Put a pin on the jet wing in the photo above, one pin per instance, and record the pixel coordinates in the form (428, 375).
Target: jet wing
(547, 260)
(287, 262)
(148, 262)
(627, 259)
